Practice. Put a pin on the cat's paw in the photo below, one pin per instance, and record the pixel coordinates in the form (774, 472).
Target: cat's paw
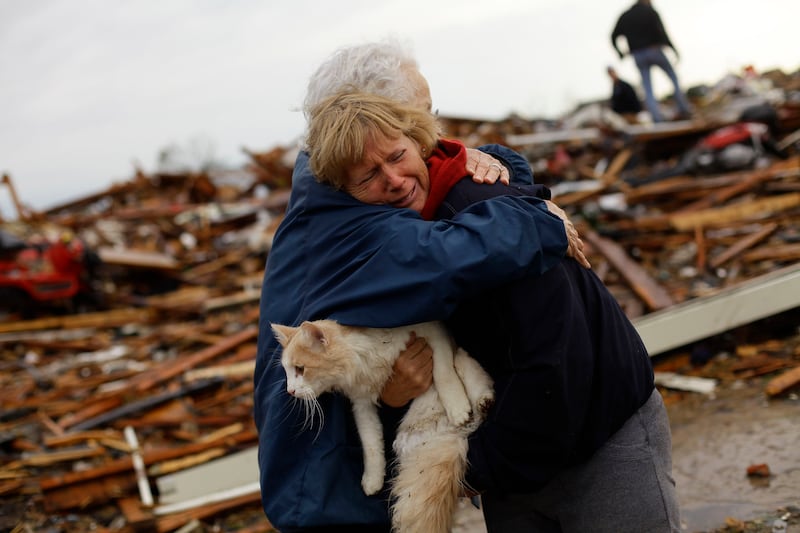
(460, 417)
(480, 411)
(371, 483)
(483, 405)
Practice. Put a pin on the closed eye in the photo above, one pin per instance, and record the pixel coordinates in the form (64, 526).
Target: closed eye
(367, 178)
(298, 370)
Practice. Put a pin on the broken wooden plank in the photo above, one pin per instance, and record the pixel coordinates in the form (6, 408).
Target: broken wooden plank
(80, 489)
(547, 137)
(237, 370)
(93, 410)
(50, 458)
(722, 195)
(170, 370)
(138, 467)
(138, 259)
(743, 244)
(105, 319)
(671, 380)
(733, 213)
(609, 177)
(145, 403)
(653, 294)
(784, 252)
(783, 383)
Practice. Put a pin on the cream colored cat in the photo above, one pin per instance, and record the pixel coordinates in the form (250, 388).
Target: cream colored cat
(431, 443)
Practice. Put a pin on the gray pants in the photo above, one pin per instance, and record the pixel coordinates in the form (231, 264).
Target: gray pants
(626, 486)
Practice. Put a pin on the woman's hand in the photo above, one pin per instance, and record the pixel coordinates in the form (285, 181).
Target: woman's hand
(484, 168)
(413, 373)
(574, 242)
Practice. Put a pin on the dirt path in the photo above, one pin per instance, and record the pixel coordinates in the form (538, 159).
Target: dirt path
(716, 438)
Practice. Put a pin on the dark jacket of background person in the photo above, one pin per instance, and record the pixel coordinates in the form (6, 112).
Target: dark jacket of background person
(569, 367)
(641, 26)
(379, 266)
(624, 99)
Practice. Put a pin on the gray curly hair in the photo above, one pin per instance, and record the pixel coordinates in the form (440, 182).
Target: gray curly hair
(378, 68)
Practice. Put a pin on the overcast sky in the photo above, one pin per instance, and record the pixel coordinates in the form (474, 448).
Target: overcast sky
(91, 88)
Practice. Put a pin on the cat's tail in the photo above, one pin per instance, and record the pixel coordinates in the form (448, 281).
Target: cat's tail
(427, 484)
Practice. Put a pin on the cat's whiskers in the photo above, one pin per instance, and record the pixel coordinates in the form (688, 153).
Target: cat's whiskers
(312, 409)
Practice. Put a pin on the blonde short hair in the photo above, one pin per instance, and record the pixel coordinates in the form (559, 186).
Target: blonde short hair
(340, 127)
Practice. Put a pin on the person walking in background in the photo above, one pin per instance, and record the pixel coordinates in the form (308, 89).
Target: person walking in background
(642, 28)
(624, 99)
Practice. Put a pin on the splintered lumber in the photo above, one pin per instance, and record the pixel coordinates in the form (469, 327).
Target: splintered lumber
(212, 266)
(90, 493)
(170, 370)
(22, 212)
(106, 319)
(138, 258)
(10, 487)
(734, 213)
(138, 467)
(784, 382)
(236, 370)
(50, 458)
(146, 403)
(784, 252)
(653, 294)
(672, 380)
(721, 196)
(609, 177)
(239, 298)
(168, 467)
(170, 522)
(742, 245)
(71, 490)
(75, 419)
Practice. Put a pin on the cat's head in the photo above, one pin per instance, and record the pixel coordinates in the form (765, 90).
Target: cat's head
(312, 359)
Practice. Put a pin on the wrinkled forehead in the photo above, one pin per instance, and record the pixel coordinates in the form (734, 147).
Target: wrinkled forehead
(376, 142)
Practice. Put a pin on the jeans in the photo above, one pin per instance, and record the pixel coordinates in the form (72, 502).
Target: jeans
(646, 58)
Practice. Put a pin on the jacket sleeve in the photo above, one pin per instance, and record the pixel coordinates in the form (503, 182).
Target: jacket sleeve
(380, 266)
(519, 169)
(398, 269)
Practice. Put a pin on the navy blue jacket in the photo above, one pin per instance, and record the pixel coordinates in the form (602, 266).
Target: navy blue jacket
(568, 365)
(377, 266)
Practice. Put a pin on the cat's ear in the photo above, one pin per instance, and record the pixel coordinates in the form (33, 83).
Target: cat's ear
(314, 332)
(283, 333)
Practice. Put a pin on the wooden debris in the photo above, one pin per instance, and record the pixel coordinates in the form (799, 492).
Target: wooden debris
(784, 382)
(688, 383)
(166, 344)
(743, 245)
(655, 296)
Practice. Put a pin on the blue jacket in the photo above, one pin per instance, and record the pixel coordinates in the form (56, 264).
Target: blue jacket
(375, 266)
(569, 368)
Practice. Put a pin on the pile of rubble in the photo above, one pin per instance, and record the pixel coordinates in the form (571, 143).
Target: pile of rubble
(110, 403)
